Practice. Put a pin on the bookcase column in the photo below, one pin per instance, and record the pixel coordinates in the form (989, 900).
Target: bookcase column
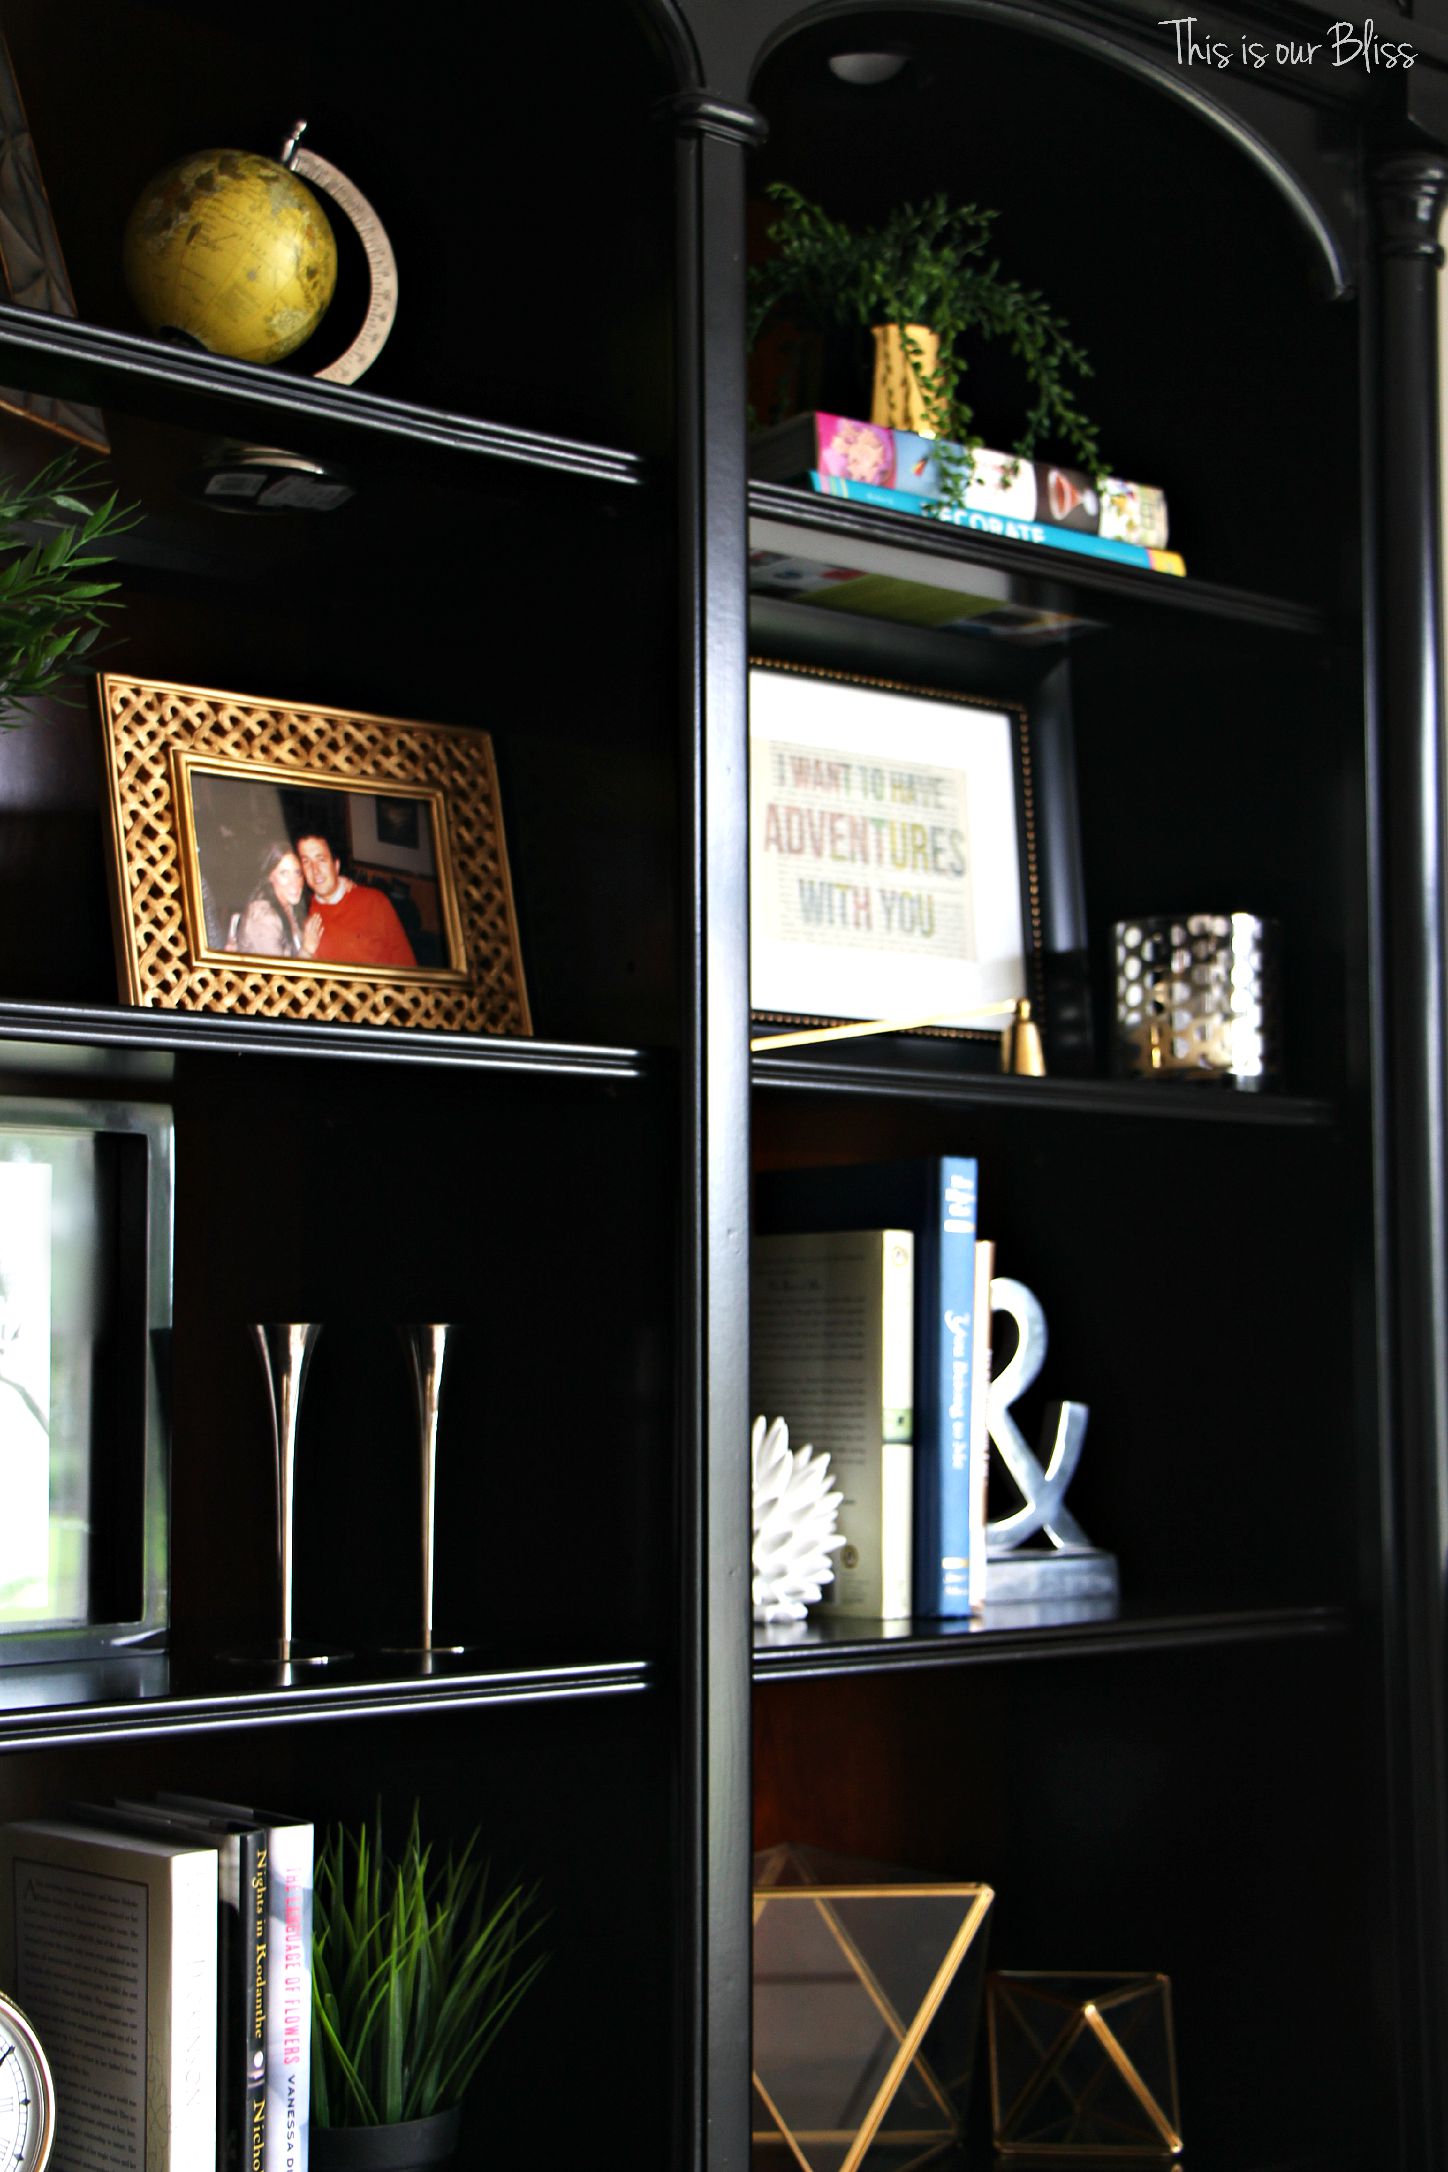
(713, 138)
(1408, 189)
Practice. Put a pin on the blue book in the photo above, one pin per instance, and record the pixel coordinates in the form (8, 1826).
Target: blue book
(936, 1199)
(997, 524)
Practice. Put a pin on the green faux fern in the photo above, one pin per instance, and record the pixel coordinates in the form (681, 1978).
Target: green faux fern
(52, 608)
(926, 263)
(415, 1969)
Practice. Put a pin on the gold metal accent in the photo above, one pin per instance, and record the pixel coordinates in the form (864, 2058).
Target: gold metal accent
(158, 733)
(1021, 1050)
(908, 2030)
(811, 1034)
(1054, 2022)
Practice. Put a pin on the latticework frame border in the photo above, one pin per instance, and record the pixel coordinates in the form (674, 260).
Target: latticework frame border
(148, 723)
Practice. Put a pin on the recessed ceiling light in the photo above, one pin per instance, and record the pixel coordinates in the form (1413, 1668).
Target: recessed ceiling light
(867, 68)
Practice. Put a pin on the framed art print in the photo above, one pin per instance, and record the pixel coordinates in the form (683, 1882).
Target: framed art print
(288, 862)
(892, 854)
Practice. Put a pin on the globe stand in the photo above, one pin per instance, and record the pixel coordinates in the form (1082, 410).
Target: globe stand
(239, 478)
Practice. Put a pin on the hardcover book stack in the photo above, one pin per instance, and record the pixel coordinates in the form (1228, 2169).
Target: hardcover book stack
(869, 1330)
(998, 494)
(163, 1951)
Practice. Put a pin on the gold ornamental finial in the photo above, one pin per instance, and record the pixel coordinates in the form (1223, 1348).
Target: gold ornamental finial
(1021, 1050)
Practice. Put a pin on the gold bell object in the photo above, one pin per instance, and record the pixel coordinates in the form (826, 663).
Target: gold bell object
(1021, 1050)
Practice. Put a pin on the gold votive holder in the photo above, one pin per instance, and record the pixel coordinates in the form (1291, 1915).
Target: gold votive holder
(1083, 2067)
(867, 1987)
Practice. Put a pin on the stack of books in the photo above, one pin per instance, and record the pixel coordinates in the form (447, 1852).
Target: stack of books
(869, 1332)
(1002, 494)
(163, 1950)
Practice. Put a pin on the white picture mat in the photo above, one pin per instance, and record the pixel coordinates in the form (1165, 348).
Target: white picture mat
(888, 756)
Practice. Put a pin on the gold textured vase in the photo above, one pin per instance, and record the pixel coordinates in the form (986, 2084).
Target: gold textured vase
(901, 374)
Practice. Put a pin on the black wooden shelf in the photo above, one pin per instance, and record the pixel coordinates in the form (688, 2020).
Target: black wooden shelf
(70, 1030)
(822, 1646)
(135, 1695)
(814, 1071)
(1036, 567)
(211, 392)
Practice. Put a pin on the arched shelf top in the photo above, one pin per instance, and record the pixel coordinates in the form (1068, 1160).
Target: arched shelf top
(663, 22)
(1110, 52)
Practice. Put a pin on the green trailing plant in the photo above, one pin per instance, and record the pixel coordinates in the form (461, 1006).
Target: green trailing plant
(416, 1966)
(928, 263)
(52, 606)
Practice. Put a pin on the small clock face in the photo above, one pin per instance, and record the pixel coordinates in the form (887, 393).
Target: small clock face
(27, 2095)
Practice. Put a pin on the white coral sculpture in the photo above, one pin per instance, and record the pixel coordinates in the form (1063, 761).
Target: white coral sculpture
(794, 1524)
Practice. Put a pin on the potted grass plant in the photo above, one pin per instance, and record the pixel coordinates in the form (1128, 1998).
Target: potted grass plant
(52, 605)
(417, 1963)
(926, 285)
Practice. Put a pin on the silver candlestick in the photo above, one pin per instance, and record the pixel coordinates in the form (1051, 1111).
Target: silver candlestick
(285, 1351)
(426, 1345)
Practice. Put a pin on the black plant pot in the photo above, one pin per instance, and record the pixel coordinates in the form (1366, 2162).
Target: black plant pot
(412, 2143)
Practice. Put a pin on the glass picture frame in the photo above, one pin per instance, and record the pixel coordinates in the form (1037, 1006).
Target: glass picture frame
(86, 1211)
(893, 855)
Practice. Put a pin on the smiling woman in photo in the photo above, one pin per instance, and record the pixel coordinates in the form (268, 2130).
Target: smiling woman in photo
(269, 924)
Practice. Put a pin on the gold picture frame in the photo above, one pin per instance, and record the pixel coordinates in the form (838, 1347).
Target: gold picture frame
(218, 800)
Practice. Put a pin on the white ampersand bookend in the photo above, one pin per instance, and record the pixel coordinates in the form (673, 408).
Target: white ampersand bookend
(1067, 1566)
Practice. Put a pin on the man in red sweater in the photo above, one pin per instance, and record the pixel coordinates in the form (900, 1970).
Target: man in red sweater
(349, 924)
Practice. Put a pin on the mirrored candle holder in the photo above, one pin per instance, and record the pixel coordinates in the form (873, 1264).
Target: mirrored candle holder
(1196, 998)
(285, 1349)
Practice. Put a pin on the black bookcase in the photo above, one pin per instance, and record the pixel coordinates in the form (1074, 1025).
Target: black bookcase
(1239, 1781)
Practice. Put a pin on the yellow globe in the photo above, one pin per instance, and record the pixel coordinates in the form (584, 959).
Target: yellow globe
(234, 251)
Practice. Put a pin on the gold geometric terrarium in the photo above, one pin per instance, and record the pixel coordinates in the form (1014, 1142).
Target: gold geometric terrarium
(1083, 2066)
(867, 1991)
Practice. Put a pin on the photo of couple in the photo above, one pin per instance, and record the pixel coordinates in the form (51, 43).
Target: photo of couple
(331, 877)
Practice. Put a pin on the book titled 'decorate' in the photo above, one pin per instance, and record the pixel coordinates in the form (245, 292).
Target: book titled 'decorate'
(1004, 527)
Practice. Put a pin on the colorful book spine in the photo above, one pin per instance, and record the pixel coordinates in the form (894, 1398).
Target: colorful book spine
(289, 2008)
(285, 1985)
(252, 1873)
(980, 1421)
(947, 1552)
(988, 482)
(997, 524)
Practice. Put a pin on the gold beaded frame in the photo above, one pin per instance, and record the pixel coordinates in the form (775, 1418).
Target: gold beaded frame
(160, 737)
